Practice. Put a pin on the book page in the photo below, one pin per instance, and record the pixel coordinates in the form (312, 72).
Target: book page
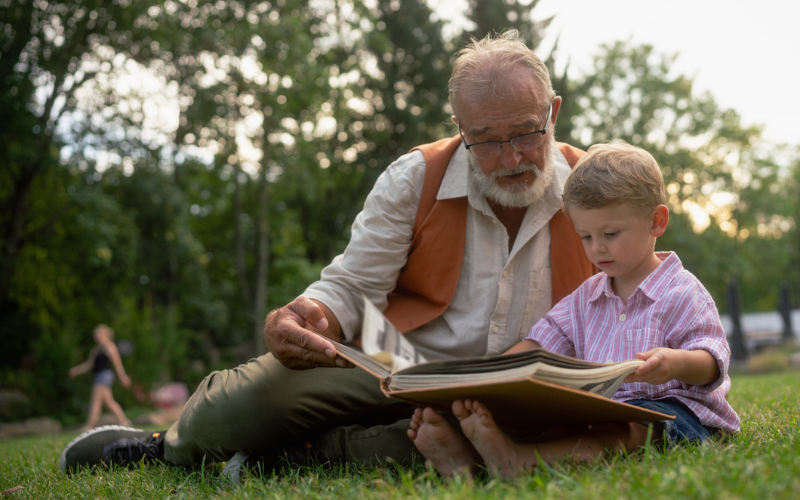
(606, 388)
(358, 358)
(383, 342)
(599, 378)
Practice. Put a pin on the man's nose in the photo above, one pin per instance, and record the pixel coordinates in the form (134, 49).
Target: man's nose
(509, 156)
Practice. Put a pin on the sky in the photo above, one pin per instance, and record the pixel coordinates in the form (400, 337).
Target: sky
(746, 53)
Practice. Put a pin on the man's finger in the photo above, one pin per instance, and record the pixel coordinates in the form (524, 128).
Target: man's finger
(296, 356)
(310, 341)
(309, 311)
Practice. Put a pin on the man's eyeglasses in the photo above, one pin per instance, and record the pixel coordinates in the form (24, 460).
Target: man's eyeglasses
(524, 142)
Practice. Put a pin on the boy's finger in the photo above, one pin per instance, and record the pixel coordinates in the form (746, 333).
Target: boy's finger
(647, 367)
(647, 354)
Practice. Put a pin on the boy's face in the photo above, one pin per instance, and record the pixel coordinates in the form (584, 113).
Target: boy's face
(620, 239)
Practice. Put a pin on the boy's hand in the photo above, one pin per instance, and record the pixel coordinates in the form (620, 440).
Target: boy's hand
(661, 366)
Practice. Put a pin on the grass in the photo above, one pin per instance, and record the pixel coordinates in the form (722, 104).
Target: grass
(762, 462)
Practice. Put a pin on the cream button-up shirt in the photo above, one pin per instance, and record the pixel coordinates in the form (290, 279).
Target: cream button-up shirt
(500, 294)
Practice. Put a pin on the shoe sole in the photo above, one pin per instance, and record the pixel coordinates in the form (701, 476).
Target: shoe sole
(62, 462)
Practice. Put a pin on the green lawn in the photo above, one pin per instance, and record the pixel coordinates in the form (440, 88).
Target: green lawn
(763, 462)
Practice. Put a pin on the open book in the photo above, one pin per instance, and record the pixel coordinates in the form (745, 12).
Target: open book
(526, 391)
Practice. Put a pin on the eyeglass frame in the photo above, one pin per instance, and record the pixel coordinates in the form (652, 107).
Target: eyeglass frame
(510, 141)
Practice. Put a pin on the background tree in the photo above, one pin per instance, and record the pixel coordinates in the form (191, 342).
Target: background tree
(46, 52)
(762, 221)
(707, 157)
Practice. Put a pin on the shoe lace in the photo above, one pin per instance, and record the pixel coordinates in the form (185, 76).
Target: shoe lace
(129, 451)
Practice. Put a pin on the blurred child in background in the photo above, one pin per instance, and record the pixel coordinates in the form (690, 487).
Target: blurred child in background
(103, 361)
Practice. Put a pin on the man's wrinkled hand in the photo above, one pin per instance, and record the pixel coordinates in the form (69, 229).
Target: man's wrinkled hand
(289, 336)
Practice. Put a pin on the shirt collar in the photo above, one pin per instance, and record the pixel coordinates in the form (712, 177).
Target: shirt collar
(653, 286)
(456, 177)
(603, 289)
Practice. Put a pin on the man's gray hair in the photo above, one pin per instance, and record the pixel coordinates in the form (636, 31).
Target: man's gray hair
(483, 66)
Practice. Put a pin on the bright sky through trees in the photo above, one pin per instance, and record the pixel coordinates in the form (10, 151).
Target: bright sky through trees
(743, 52)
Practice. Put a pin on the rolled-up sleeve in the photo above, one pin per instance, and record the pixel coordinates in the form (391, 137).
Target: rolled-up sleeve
(706, 333)
(378, 248)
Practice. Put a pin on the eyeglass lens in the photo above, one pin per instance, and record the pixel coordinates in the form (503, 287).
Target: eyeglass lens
(521, 143)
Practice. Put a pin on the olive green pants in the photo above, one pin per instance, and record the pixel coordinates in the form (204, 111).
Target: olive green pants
(262, 405)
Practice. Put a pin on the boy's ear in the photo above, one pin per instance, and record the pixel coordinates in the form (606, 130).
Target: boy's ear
(660, 219)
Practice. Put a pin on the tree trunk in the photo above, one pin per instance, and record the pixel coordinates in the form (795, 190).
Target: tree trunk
(241, 266)
(12, 241)
(261, 289)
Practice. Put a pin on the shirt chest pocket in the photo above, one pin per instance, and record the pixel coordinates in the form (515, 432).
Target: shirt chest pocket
(629, 342)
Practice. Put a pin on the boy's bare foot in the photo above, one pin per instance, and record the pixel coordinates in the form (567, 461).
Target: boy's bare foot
(499, 452)
(441, 444)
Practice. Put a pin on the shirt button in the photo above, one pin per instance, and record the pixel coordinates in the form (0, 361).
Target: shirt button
(505, 273)
(622, 317)
(495, 329)
(608, 294)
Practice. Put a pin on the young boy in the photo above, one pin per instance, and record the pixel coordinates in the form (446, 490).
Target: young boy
(643, 305)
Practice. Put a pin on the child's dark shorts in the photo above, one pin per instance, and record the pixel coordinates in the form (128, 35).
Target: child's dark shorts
(686, 425)
(104, 377)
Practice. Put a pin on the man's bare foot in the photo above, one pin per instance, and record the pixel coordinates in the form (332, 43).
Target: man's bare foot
(448, 450)
(499, 452)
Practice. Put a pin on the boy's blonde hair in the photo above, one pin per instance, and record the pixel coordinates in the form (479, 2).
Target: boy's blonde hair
(614, 173)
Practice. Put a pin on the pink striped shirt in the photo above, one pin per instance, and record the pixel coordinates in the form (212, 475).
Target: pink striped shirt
(670, 308)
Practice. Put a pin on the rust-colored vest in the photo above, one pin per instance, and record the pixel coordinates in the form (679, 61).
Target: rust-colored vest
(428, 281)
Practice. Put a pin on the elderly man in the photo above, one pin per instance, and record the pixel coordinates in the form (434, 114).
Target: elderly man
(462, 244)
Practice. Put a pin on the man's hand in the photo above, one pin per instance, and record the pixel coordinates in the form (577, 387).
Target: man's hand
(289, 335)
(662, 364)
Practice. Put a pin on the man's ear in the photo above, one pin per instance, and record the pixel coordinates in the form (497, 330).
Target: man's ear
(455, 120)
(556, 107)
(660, 219)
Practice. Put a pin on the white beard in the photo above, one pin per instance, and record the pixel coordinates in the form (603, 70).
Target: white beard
(516, 195)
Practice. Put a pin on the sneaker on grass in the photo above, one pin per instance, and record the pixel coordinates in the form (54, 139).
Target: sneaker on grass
(112, 444)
